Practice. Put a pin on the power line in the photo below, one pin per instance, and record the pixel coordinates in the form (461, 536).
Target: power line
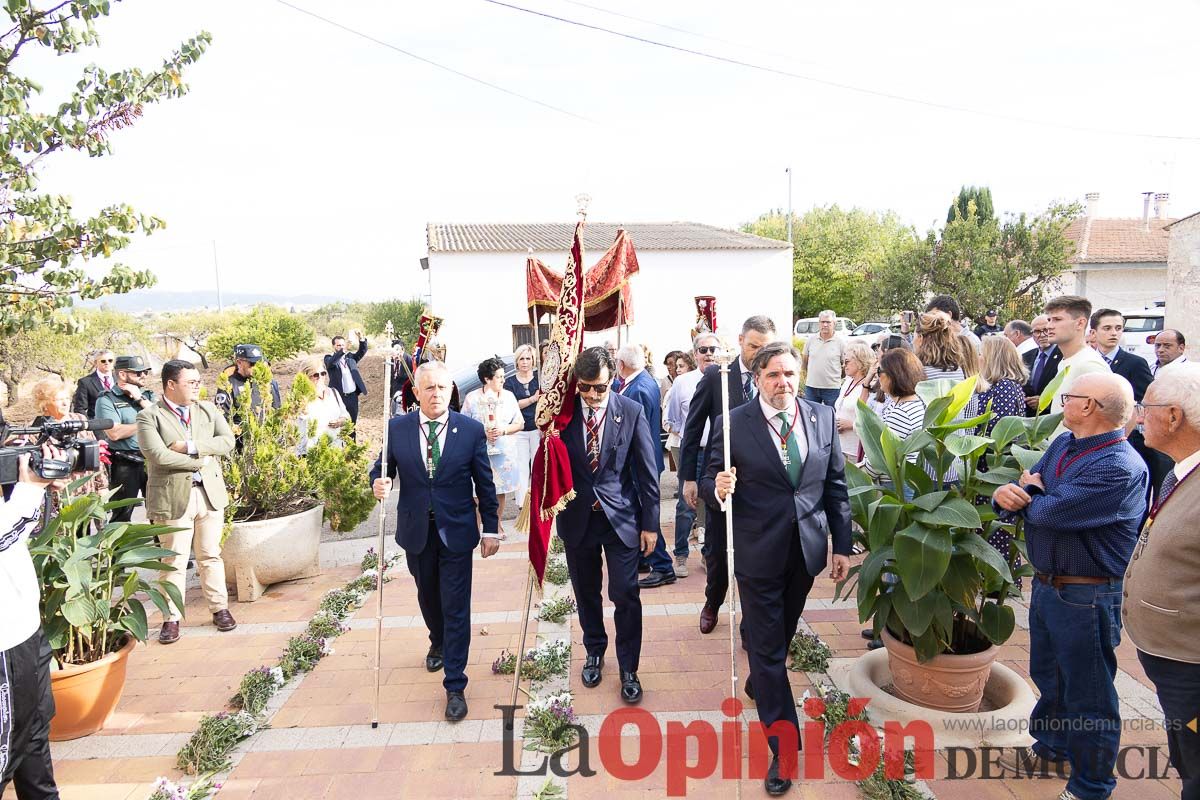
(684, 31)
(838, 85)
(433, 63)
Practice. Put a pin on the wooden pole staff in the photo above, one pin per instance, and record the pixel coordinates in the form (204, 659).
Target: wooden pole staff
(725, 357)
(383, 464)
(516, 684)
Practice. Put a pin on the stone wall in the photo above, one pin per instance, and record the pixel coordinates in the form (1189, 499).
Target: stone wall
(1183, 281)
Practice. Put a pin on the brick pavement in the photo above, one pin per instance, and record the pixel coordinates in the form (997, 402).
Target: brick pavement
(320, 744)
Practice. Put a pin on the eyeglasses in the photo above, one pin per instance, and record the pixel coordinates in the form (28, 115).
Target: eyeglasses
(317, 374)
(1140, 408)
(193, 384)
(597, 388)
(1041, 331)
(706, 350)
(1066, 397)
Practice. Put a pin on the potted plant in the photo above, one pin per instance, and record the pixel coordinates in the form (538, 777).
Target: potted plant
(941, 610)
(277, 497)
(93, 611)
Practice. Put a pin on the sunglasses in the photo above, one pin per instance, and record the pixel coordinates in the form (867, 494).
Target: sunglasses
(706, 350)
(317, 374)
(597, 388)
(107, 360)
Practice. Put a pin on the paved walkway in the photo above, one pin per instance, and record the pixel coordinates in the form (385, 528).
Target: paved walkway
(320, 743)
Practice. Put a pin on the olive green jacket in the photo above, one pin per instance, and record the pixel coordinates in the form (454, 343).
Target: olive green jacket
(168, 473)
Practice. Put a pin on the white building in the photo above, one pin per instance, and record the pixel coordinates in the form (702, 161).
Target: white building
(1120, 263)
(477, 280)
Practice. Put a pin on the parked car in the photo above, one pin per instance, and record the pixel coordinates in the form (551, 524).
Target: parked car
(1141, 327)
(875, 328)
(810, 326)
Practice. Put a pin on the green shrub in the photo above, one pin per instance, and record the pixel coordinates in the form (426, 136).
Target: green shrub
(279, 334)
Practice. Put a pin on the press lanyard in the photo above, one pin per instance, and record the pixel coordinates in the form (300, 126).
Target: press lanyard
(1060, 468)
(785, 435)
(850, 390)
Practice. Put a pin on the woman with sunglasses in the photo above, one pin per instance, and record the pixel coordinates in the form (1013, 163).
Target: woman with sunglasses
(327, 410)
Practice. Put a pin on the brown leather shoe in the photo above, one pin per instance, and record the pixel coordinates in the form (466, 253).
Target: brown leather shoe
(169, 634)
(708, 618)
(224, 621)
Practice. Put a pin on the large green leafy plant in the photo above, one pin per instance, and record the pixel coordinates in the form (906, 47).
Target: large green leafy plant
(268, 478)
(950, 585)
(92, 591)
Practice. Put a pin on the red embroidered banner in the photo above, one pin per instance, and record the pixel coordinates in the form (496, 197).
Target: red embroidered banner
(607, 296)
(551, 484)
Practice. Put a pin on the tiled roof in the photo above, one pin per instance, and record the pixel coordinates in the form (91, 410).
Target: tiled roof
(1119, 241)
(553, 236)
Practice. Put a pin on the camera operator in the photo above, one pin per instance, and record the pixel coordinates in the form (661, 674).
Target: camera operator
(26, 706)
(121, 404)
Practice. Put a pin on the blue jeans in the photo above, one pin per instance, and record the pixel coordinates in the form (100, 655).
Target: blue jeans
(826, 397)
(1073, 633)
(685, 517)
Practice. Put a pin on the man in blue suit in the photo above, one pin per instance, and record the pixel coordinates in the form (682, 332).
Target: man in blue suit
(636, 384)
(614, 515)
(437, 455)
(790, 498)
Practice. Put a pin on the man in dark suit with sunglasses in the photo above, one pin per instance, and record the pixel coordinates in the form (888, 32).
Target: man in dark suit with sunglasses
(613, 518)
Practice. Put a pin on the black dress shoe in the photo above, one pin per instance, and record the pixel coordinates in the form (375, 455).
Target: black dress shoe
(774, 784)
(631, 688)
(656, 579)
(867, 634)
(433, 659)
(749, 688)
(875, 644)
(456, 706)
(643, 568)
(592, 671)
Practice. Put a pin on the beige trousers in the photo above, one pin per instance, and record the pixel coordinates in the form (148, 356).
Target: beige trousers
(202, 526)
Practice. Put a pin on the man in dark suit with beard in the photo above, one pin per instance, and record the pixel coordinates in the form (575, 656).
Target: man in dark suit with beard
(788, 487)
(705, 408)
(614, 515)
(436, 455)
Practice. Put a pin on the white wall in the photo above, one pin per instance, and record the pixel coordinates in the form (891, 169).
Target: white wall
(1123, 288)
(482, 295)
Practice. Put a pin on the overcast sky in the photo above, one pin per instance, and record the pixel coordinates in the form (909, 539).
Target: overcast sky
(314, 158)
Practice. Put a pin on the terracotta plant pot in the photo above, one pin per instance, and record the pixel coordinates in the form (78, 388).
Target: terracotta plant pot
(86, 695)
(949, 682)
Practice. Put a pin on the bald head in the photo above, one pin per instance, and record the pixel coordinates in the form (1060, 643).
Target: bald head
(1113, 394)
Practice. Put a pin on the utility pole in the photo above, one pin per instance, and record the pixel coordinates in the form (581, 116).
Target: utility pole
(789, 217)
(217, 274)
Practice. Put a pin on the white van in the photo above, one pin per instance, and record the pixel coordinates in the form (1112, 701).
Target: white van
(1141, 327)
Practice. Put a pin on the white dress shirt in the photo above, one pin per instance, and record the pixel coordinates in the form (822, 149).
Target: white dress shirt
(778, 429)
(1184, 468)
(601, 415)
(1027, 345)
(443, 429)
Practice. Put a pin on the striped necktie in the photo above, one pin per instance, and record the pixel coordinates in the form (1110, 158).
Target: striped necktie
(593, 440)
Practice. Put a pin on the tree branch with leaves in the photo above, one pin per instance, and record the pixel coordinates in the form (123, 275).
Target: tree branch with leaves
(42, 242)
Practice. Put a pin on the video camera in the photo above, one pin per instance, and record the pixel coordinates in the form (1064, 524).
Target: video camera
(78, 456)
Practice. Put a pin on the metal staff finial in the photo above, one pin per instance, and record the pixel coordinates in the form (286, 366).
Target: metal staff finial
(582, 201)
(388, 331)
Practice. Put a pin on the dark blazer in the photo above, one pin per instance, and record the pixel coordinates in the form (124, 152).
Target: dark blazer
(87, 392)
(706, 407)
(767, 509)
(626, 484)
(1134, 369)
(463, 462)
(644, 390)
(335, 369)
(1048, 373)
